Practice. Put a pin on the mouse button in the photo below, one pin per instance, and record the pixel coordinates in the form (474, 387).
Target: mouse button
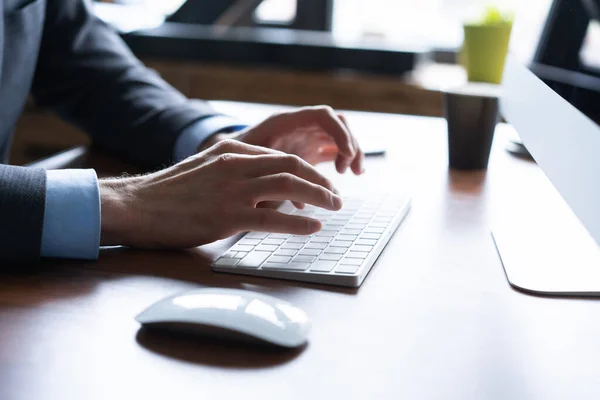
(294, 315)
(213, 301)
(266, 313)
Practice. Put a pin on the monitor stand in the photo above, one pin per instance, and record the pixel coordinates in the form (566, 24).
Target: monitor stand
(544, 248)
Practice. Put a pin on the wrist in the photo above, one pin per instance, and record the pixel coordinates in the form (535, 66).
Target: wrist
(116, 216)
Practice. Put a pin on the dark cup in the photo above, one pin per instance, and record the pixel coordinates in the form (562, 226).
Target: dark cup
(472, 117)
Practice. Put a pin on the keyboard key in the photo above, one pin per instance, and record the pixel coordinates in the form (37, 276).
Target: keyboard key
(366, 242)
(325, 234)
(289, 245)
(372, 229)
(254, 259)
(321, 239)
(330, 257)
(276, 242)
(323, 266)
(280, 259)
(226, 262)
(332, 227)
(266, 247)
(362, 248)
(335, 250)
(310, 252)
(278, 236)
(350, 238)
(256, 235)
(240, 254)
(241, 247)
(351, 261)
(346, 269)
(337, 243)
(383, 219)
(350, 232)
(378, 225)
(313, 245)
(293, 266)
(285, 252)
(230, 254)
(357, 254)
(374, 236)
(360, 220)
(356, 226)
(298, 239)
(250, 242)
(338, 221)
(304, 259)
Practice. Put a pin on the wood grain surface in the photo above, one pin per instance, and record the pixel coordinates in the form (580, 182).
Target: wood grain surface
(435, 318)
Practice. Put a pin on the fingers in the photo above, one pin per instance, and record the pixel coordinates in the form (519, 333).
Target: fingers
(285, 186)
(267, 220)
(298, 205)
(278, 163)
(327, 120)
(357, 163)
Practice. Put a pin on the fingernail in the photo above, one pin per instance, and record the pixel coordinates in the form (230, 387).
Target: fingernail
(346, 166)
(336, 202)
(362, 170)
(314, 225)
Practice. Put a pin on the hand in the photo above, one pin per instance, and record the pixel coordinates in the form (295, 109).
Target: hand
(315, 134)
(211, 196)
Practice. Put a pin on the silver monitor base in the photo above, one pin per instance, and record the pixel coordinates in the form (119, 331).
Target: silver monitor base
(546, 250)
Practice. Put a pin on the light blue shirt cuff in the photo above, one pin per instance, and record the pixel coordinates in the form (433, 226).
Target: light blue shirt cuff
(72, 217)
(192, 137)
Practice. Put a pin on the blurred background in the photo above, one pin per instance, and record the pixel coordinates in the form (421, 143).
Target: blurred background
(376, 55)
(435, 24)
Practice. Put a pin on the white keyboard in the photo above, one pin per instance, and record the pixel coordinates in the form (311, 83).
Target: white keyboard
(342, 253)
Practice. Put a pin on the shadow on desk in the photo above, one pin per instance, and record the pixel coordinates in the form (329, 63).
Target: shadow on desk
(214, 351)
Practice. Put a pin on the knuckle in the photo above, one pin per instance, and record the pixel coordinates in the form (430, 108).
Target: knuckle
(293, 162)
(279, 114)
(226, 144)
(226, 159)
(285, 181)
(324, 109)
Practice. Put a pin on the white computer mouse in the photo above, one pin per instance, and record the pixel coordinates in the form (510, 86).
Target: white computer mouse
(231, 314)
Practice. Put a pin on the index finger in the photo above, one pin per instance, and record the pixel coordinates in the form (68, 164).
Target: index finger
(328, 120)
(357, 163)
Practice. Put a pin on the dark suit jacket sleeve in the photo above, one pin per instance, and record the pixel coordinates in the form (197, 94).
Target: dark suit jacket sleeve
(88, 76)
(22, 202)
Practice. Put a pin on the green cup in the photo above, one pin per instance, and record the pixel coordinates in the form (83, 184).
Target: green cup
(484, 50)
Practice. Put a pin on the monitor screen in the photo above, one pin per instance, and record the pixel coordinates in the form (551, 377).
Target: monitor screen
(563, 141)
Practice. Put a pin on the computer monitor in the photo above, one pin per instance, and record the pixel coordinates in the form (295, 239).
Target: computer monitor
(561, 58)
(551, 246)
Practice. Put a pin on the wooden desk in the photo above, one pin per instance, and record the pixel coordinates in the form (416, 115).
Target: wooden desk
(435, 318)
